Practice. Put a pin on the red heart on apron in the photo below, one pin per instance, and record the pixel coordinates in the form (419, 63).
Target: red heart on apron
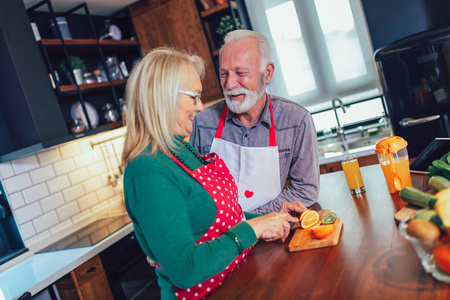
(248, 193)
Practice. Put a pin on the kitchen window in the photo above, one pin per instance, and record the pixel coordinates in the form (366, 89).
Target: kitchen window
(321, 50)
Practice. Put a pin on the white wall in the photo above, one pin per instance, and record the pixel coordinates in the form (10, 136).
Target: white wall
(53, 191)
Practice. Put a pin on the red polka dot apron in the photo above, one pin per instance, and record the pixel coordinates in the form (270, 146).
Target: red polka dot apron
(218, 182)
(255, 169)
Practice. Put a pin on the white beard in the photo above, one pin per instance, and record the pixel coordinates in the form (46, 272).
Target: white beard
(250, 99)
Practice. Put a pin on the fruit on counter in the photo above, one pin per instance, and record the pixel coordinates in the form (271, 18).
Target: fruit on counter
(442, 257)
(416, 197)
(329, 218)
(423, 230)
(323, 231)
(309, 218)
(439, 183)
(442, 206)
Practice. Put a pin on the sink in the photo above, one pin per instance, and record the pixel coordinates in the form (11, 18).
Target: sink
(352, 141)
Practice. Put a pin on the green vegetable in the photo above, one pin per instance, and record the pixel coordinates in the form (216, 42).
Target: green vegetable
(329, 218)
(417, 197)
(438, 183)
(430, 216)
(440, 167)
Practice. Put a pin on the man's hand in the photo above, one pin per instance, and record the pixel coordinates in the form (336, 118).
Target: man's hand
(293, 208)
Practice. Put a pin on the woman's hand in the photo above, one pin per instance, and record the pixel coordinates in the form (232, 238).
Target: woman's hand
(272, 226)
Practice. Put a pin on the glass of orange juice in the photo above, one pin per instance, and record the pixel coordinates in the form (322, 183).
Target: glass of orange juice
(353, 174)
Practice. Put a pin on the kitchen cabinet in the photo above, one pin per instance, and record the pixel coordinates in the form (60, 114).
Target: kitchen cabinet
(37, 102)
(336, 166)
(175, 23)
(226, 16)
(88, 281)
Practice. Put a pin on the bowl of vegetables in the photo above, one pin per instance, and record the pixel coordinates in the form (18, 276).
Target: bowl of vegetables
(428, 231)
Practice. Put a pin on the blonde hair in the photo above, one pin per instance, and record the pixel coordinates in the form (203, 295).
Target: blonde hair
(151, 99)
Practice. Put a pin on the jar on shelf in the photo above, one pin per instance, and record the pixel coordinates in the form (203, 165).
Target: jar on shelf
(88, 78)
(109, 113)
(97, 75)
(77, 126)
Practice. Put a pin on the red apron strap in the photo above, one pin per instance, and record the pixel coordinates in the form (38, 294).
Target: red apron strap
(221, 123)
(178, 162)
(272, 138)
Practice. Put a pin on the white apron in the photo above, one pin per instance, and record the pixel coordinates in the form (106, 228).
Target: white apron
(256, 170)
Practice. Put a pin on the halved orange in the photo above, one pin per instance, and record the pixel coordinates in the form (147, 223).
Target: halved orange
(310, 219)
(303, 214)
(315, 225)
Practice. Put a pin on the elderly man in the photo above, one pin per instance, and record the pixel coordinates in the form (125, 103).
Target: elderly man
(263, 139)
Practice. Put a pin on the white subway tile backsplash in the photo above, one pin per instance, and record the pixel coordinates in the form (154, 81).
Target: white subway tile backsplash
(97, 168)
(52, 202)
(16, 200)
(64, 225)
(105, 192)
(45, 221)
(70, 149)
(79, 175)
(35, 192)
(42, 174)
(6, 170)
(73, 192)
(87, 201)
(48, 156)
(64, 166)
(84, 159)
(25, 164)
(27, 213)
(17, 183)
(27, 230)
(38, 238)
(68, 210)
(52, 190)
(92, 184)
(101, 207)
(82, 217)
(58, 184)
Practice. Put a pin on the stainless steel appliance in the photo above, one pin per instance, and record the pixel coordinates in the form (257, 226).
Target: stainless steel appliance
(415, 73)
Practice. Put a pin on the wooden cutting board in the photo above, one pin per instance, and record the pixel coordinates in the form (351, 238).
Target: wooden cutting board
(304, 240)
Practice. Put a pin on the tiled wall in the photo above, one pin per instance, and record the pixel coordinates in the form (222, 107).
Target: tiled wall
(52, 191)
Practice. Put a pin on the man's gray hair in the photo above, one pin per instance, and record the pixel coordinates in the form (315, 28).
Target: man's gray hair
(263, 44)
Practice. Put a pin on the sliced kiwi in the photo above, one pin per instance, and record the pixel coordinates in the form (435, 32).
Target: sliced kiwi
(329, 218)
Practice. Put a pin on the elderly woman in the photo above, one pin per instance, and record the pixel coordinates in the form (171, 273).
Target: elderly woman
(184, 207)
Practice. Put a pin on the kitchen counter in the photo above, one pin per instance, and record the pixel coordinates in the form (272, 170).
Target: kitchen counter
(371, 261)
(42, 269)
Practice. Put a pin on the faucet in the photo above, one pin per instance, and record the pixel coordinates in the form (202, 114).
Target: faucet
(339, 130)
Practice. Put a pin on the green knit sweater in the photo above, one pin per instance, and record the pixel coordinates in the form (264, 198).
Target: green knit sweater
(170, 211)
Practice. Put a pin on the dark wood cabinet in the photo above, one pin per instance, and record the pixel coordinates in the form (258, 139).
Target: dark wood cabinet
(175, 23)
(88, 281)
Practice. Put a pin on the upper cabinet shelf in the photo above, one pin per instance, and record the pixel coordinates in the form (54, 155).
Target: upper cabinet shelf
(217, 9)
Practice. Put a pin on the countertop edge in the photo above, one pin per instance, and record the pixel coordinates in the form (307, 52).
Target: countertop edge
(75, 257)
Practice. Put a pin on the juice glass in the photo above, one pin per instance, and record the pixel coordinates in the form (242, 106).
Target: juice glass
(353, 174)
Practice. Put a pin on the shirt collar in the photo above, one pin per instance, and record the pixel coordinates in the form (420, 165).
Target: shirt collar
(264, 118)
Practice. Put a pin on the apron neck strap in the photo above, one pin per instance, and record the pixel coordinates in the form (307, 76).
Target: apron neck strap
(272, 137)
(170, 155)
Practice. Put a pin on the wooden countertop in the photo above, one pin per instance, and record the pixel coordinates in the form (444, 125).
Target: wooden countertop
(371, 260)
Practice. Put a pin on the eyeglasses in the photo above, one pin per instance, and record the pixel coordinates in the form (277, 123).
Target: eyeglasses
(197, 96)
